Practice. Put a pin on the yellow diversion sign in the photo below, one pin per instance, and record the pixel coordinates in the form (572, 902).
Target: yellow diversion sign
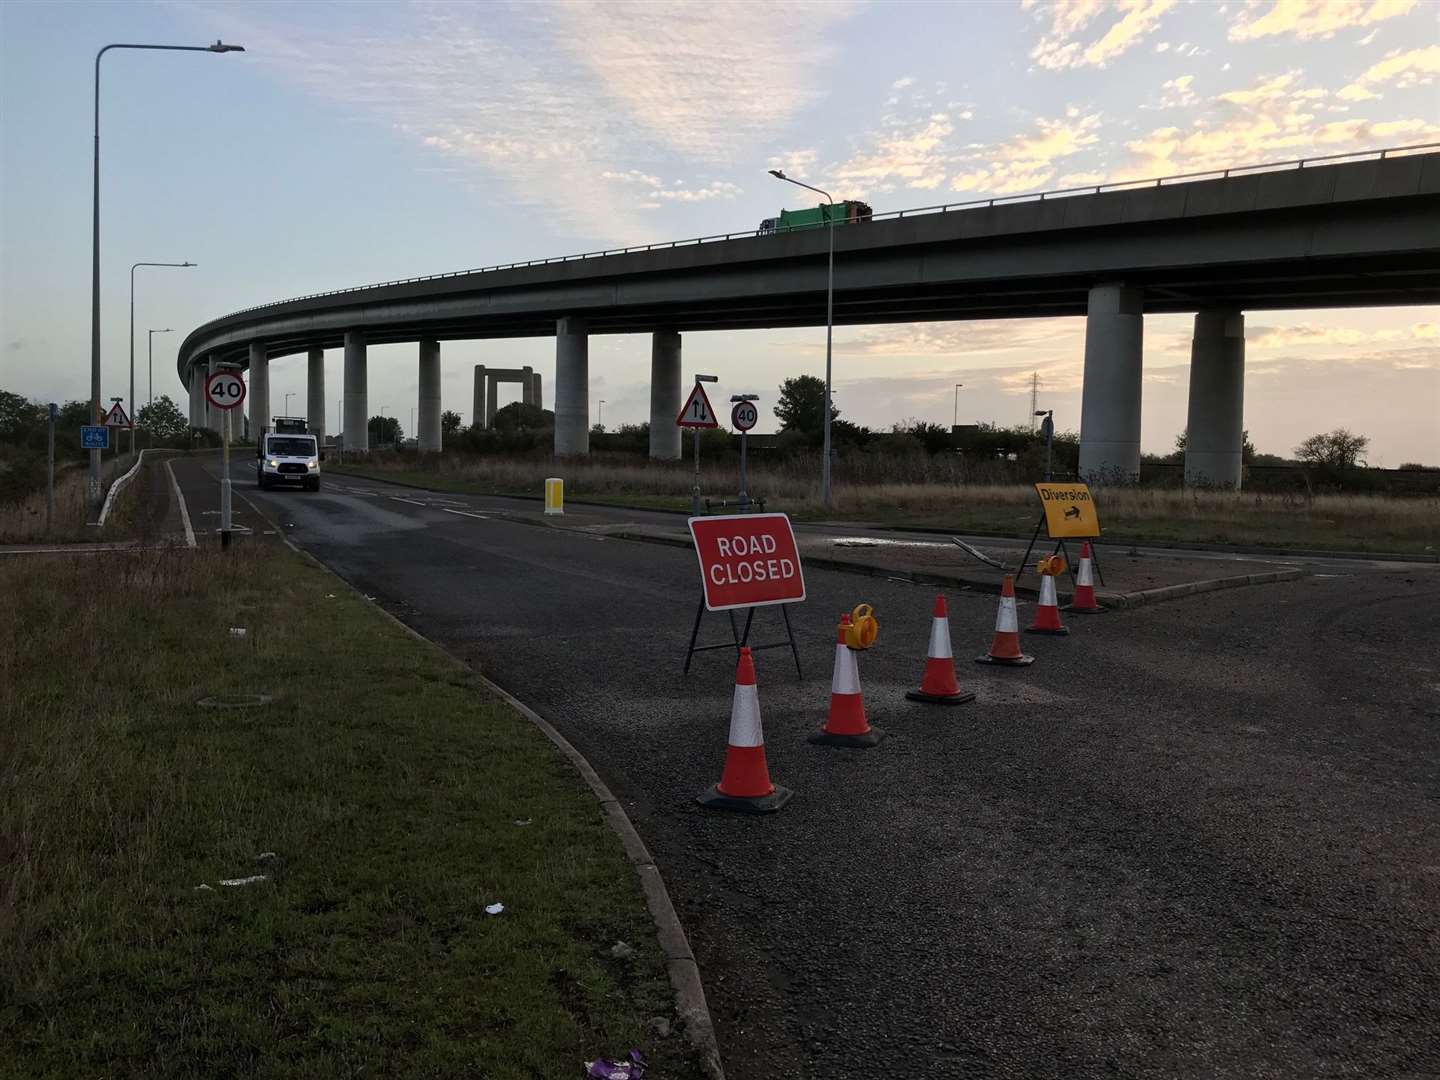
(1069, 510)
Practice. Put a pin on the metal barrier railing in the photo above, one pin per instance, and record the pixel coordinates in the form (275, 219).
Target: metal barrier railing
(943, 208)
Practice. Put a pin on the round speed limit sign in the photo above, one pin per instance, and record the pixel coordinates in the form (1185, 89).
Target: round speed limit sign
(225, 389)
(744, 416)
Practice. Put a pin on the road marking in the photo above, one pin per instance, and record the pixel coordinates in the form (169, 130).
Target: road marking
(412, 502)
(184, 513)
(466, 513)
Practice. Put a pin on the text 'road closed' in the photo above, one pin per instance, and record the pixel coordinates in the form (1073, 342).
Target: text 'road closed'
(747, 560)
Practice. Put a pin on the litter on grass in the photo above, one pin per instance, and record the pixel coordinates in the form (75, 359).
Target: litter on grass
(621, 951)
(204, 888)
(632, 1067)
(523, 821)
(494, 909)
(251, 880)
(237, 631)
(266, 856)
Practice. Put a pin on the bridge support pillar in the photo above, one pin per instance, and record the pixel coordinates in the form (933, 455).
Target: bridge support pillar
(572, 388)
(478, 417)
(664, 395)
(492, 400)
(1215, 430)
(357, 396)
(315, 394)
(213, 416)
(527, 386)
(1110, 401)
(197, 396)
(427, 415)
(257, 394)
(535, 387)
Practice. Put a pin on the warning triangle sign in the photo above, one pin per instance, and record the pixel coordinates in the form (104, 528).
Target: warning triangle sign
(116, 417)
(697, 412)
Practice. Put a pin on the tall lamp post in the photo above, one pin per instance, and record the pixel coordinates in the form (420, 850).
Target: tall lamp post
(218, 47)
(955, 420)
(150, 360)
(132, 338)
(829, 327)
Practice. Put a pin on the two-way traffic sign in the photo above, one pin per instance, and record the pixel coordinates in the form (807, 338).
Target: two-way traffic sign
(116, 416)
(697, 412)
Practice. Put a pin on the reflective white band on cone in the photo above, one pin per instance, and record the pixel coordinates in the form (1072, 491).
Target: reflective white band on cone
(940, 639)
(745, 717)
(1005, 620)
(1082, 576)
(1047, 591)
(846, 679)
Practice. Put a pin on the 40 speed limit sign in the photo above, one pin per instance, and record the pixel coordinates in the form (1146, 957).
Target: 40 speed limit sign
(744, 416)
(225, 390)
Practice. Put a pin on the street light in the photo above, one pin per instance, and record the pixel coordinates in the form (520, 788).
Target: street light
(1047, 430)
(218, 47)
(829, 327)
(150, 359)
(132, 339)
(955, 420)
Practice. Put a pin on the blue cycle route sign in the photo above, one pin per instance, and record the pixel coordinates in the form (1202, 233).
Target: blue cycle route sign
(94, 437)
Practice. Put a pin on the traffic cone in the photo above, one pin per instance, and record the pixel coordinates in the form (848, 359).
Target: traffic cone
(1084, 599)
(1047, 612)
(1005, 645)
(938, 685)
(846, 725)
(745, 784)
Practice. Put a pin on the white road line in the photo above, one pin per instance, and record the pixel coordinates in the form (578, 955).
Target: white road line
(412, 502)
(466, 513)
(184, 513)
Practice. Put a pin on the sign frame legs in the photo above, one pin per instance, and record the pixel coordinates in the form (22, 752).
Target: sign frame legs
(738, 638)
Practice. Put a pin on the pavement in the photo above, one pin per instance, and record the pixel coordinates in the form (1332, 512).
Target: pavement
(1194, 839)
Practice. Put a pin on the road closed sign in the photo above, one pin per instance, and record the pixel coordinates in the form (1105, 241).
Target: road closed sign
(1069, 510)
(748, 560)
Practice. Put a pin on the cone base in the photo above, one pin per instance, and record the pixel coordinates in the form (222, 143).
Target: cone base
(1057, 632)
(830, 738)
(1022, 660)
(1096, 610)
(758, 804)
(959, 698)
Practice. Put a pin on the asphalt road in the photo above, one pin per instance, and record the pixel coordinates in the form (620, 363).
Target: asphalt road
(1198, 839)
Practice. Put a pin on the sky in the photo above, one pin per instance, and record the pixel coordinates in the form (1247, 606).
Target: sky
(355, 143)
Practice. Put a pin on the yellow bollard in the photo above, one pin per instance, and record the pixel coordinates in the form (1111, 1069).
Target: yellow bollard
(554, 495)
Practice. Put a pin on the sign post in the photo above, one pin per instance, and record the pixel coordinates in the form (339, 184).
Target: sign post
(225, 390)
(746, 561)
(697, 415)
(744, 416)
(54, 412)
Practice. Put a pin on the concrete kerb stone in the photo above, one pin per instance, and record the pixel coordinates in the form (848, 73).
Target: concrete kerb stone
(680, 964)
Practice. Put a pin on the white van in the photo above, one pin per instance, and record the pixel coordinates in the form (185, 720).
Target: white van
(287, 458)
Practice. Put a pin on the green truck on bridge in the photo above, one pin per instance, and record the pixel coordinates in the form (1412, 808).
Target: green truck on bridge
(849, 212)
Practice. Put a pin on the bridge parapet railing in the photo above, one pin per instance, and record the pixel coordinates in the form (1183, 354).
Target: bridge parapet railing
(939, 208)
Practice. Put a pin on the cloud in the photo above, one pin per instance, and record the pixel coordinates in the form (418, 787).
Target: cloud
(1308, 334)
(716, 189)
(1418, 67)
(796, 163)
(552, 98)
(1060, 48)
(976, 341)
(1027, 162)
(1177, 93)
(1306, 19)
(911, 154)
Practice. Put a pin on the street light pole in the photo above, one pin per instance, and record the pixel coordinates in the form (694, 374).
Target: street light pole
(150, 361)
(218, 47)
(955, 420)
(132, 338)
(829, 328)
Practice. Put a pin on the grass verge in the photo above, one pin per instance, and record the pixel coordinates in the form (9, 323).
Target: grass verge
(1155, 515)
(385, 779)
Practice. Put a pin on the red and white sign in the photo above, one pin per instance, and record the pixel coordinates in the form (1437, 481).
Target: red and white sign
(744, 416)
(748, 560)
(116, 417)
(697, 412)
(225, 390)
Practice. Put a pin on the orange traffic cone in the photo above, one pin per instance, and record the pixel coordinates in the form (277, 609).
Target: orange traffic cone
(846, 725)
(938, 685)
(745, 784)
(1005, 646)
(1084, 599)
(1047, 612)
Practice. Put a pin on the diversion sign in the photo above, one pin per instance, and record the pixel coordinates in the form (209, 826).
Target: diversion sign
(747, 560)
(1069, 510)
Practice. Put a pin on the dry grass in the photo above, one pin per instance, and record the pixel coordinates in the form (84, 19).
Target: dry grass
(1338, 522)
(23, 521)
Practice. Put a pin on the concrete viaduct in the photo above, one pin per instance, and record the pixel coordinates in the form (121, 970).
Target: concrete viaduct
(1351, 234)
